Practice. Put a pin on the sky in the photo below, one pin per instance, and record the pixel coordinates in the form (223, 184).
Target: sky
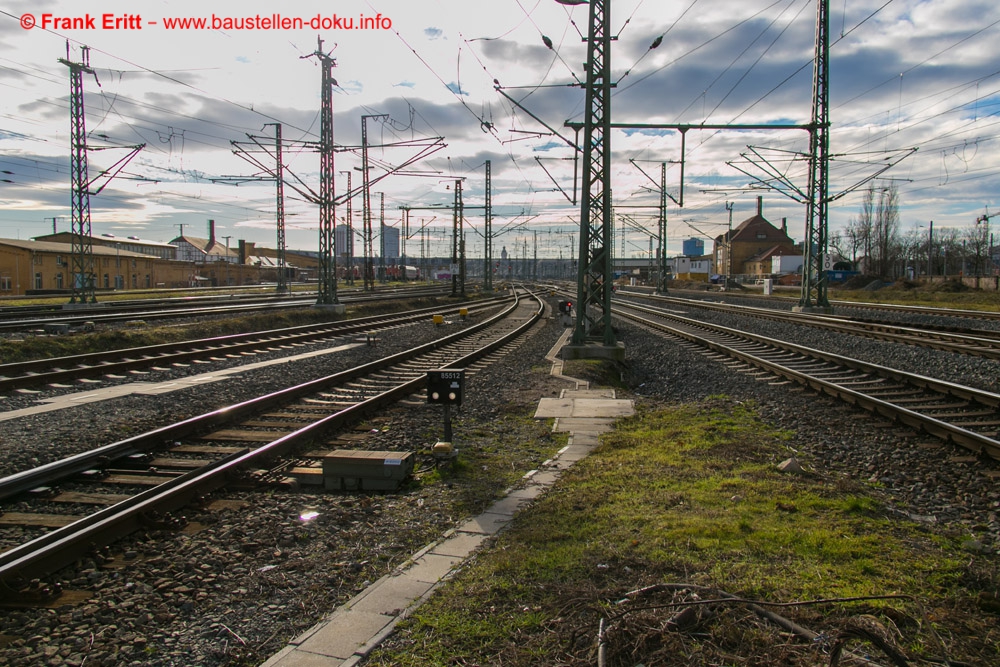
(913, 84)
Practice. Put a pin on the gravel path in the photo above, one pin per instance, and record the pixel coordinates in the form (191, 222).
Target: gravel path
(249, 574)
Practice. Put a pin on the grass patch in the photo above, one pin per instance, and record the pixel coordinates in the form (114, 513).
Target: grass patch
(492, 457)
(936, 295)
(691, 496)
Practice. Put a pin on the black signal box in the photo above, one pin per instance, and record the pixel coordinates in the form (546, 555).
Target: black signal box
(445, 385)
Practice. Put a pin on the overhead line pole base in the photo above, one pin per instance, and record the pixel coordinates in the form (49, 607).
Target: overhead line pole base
(614, 352)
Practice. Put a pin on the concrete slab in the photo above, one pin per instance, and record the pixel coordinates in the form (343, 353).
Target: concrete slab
(157, 388)
(459, 545)
(292, 656)
(487, 524)
(588, 393)
(583, 407)
(575, 454)
(391, 596)
(544, 478)
(344, 633)
(528, 493)
(578, 426)
(560, 464)
(509, 506)
(432, 568)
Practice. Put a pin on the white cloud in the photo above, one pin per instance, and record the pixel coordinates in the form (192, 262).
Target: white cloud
(917, 73)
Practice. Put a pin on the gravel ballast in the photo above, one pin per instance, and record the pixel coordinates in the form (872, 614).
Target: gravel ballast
(249, 574)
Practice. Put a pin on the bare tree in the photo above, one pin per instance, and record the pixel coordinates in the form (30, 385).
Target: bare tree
(912, 248)
(977, 240)
(881, 216)
(949, 247)
(863, 224)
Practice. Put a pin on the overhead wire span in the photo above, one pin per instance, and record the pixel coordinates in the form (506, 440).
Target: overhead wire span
(657, 40)
(921, 63)
(161, 74)
(693, 50)
(759, 57)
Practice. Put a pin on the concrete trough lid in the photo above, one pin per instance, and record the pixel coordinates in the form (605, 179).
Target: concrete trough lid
(549, 408)
(361, 470)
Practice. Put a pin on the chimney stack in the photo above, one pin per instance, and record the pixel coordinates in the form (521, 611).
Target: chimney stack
(760, 205)
(784, 226)
(211, 233)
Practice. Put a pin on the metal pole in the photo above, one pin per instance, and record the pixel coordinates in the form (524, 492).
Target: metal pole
(349, 250)
(227, 257)
(814, 279)
(82, 253)
(282, 285)
(488, 233)
(369, 268)
(327, 208)
(661, 286)
(381, 238)
(594, 277)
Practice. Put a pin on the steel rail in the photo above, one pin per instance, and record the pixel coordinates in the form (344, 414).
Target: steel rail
(41, 371)
(29, 479)
(153, 311)
(61, 546)
(971, 440)
(979, 346)
(895, 307)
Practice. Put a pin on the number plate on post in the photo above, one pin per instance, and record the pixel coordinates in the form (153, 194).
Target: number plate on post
(444, 385)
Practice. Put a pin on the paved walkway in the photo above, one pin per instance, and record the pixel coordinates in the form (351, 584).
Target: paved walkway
(153, 388)
(353, 630)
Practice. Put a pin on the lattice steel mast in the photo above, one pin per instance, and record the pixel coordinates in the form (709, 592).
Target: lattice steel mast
(457, 241)
(488, 233)
(349, 250)
(595, 277)
(366, 202)
(280, 208)
(814, 281)
(381, 239)
(661, 283)
(82, 277)
(327, 207)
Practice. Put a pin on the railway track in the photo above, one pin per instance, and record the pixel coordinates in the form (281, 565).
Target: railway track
(788, 302)
(974, 342)
(962, 415)
(112, 364)
(143, 480)
(13, 319)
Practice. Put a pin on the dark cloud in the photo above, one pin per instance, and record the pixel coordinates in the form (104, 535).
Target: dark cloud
(500, 52)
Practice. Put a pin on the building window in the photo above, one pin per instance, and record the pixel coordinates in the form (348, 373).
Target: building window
(5, 284)
(107, 281)
(762, 235)
(38, 281)
(59, 281)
